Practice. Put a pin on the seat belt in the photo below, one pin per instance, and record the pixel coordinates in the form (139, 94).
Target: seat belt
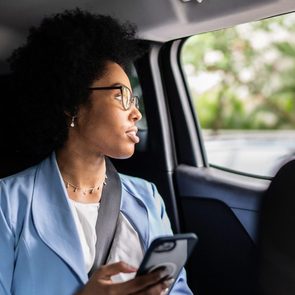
(108, 214)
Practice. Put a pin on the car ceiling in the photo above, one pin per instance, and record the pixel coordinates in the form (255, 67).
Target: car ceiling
(159, 20)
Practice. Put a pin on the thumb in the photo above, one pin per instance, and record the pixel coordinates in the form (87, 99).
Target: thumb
(106, 271)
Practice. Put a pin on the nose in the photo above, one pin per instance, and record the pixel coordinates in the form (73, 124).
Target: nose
(135, 114)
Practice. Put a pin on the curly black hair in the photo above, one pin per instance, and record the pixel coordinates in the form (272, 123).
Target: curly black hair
(53, 70)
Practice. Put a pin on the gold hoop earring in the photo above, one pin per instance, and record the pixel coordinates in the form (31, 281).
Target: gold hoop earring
(73, 122)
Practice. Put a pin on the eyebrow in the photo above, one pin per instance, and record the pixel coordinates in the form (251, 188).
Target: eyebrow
(118, 84)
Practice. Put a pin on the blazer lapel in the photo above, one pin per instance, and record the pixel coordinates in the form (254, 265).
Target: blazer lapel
(53, 217)
(136, 212)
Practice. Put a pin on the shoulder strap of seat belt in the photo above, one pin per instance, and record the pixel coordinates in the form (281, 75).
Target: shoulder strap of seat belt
(108, 214)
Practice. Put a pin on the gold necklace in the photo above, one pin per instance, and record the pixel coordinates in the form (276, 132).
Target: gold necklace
(84, 191)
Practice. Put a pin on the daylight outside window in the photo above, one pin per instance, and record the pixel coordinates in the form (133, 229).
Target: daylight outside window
(242, 85)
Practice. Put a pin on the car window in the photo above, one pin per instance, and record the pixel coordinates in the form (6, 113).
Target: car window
(242, 86)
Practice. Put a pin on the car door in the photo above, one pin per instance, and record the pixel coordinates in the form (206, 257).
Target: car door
(221, 207)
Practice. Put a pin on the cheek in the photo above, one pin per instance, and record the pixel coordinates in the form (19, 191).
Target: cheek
(113, 140)
(105, 131)
(107, 125)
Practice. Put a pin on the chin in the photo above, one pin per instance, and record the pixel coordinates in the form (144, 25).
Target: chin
(122, 154)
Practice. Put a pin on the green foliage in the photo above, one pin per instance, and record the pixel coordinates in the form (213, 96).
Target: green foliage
(250, 82)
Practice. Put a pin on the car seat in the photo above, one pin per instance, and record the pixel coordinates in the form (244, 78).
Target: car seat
(277, 235)
(11, 160)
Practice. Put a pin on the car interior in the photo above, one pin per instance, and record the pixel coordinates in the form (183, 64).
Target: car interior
(221, 207)
(276, 241)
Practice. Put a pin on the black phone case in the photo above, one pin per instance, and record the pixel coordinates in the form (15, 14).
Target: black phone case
(169, 252)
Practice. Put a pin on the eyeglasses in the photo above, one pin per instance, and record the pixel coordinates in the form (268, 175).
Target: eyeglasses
(126, 97)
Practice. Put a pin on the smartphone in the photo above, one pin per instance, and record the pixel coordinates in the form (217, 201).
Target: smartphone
(169, 253)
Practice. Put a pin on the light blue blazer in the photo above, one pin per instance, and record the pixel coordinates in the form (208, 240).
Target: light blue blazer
(40, 251)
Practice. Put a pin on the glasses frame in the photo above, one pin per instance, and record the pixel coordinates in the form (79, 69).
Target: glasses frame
(134, 100)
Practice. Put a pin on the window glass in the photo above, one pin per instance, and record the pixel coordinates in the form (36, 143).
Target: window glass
(242, 85)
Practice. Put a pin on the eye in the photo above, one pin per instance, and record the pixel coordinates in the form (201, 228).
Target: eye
(118, 96)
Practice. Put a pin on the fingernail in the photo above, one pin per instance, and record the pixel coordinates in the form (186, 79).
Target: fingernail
(165, 273)
(132, 268)
(169, 282)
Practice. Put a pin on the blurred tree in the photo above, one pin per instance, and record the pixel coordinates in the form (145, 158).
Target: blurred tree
(244, 77)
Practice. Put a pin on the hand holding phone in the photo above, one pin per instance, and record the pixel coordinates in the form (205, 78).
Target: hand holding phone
(169, 253)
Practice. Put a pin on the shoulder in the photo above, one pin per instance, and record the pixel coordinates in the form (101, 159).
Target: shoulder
(136, 185)
(22, 179)
(144, 191)
(132, 180)
(16, 192)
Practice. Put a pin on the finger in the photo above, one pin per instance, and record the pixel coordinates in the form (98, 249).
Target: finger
(161, 288)
(142, 282)
(113, 269)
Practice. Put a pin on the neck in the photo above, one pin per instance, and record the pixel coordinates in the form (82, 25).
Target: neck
(82, 169)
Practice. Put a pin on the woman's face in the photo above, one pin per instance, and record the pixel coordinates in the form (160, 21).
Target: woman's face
(103, 127)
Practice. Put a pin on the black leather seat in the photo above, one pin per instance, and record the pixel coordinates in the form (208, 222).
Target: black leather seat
(277, 235)
(11, 161)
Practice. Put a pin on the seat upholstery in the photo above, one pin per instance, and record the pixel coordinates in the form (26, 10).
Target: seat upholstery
(277, 235)
(11, 161)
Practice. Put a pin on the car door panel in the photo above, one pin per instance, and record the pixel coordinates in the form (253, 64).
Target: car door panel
(243, 200)
(224, 214)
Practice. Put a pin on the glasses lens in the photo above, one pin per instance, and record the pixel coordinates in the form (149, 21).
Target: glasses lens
(126, 97)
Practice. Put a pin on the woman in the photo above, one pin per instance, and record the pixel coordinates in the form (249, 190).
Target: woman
(67, 225)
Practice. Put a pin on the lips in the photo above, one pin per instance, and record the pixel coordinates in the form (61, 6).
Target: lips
(131, 133)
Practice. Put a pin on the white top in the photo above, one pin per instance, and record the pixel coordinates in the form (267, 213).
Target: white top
(85, 215)
(126, 245)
